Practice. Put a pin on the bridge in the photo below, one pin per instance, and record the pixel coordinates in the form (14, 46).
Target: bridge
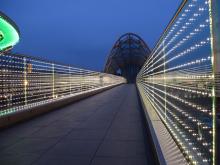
(157, 106)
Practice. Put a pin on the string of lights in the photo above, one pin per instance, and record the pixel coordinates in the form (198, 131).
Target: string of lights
(27, 82)
(178, 81)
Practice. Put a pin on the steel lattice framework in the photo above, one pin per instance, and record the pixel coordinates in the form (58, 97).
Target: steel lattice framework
(127, 56)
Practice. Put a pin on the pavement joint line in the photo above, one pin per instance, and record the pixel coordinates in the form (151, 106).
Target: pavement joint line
(19, 139)
(59, 140)
(104, 137)
(118, 103)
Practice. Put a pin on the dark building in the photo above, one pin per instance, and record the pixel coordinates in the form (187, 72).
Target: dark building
(127, 57)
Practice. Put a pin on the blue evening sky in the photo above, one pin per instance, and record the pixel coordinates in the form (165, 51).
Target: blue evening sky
(82, 32)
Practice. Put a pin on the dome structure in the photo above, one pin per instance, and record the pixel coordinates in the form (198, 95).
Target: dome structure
(127, 57)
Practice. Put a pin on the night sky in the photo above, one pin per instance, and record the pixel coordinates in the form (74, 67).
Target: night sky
(82, 32)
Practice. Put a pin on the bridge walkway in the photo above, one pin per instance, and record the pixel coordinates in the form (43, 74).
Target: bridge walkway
(105, 129)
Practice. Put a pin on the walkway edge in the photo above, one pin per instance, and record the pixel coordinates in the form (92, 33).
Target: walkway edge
(168, 153)
(156, 144)
(26, 114)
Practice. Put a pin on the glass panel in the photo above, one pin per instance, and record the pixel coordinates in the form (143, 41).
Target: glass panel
(26, 82)
(178, 80)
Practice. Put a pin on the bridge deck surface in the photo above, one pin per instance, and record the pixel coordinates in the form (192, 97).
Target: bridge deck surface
(106, 129)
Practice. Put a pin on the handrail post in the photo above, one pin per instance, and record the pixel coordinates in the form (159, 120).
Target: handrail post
(215, 33)
(70, 81)
(25, 80)
(53, 82)
(81, 80)
(165, 88)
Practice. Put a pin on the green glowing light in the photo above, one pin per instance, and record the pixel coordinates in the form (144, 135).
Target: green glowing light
(8, 34)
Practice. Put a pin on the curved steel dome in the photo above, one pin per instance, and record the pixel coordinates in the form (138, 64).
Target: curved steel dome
(127, 57)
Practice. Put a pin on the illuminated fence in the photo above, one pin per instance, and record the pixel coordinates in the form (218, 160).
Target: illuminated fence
(178, 81)
(26, 82)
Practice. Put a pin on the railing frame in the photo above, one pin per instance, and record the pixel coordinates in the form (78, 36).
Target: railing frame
(214, 7)
(215, 33)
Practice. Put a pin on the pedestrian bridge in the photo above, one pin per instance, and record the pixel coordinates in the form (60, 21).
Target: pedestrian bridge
(51, 113)
(107, 128)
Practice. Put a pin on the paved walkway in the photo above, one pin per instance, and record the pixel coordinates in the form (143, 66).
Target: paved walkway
(106, 129)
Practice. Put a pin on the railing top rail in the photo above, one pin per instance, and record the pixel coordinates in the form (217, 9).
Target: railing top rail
(50, 62)
(170, 23)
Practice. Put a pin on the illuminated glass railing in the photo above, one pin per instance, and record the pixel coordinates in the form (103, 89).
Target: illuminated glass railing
(26, 82)
(178, 80)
